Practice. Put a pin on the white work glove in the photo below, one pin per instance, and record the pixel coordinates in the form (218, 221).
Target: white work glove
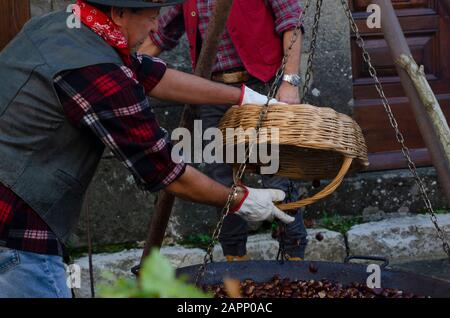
(258, 205)
(249, 96)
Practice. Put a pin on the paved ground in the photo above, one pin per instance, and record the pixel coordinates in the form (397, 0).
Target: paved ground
(436, 268)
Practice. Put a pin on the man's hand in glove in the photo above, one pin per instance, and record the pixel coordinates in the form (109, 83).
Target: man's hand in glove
(249, 96)
(258, 205)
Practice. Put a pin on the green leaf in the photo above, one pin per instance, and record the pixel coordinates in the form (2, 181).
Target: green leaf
(156, 270)
(157, 280)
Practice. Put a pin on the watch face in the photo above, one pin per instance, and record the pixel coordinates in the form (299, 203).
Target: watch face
(293, 79)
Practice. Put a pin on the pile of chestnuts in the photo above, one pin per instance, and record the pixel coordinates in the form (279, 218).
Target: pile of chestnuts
(286, 288)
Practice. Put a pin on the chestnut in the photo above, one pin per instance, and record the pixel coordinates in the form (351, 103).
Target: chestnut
(313, 267)
(287, 288)
(319, 236)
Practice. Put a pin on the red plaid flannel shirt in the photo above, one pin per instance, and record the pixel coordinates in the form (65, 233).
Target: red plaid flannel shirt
(22, 229)
(171, 28)
(107, 101)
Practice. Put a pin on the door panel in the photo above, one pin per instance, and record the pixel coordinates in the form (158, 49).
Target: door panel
(361, 5)
(427, 32)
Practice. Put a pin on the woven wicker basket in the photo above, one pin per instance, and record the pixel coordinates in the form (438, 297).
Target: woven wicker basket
(314, 143)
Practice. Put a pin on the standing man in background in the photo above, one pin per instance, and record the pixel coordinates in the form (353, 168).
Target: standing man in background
(257, 35)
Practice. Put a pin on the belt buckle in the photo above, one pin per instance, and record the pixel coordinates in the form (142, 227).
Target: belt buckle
(232, 77)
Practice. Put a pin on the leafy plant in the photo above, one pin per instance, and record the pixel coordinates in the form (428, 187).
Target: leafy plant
(156, 280)
(76, 252)
(197, 240)
(436, 211)
(339, 223)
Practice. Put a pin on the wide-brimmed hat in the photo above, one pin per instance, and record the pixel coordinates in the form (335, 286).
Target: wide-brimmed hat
(137, 3)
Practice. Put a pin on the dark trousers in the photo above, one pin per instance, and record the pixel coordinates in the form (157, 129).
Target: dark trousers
(233, 236)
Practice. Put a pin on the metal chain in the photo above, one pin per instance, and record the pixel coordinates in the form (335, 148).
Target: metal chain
(394, 124)
(273, 89)
(281, 255)
(312, 49)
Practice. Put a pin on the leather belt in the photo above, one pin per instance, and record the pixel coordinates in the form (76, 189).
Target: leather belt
(231, 77)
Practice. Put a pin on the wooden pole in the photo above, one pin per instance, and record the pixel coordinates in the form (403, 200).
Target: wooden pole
(399, 47)
(165, 201)
(429, 100)
(13, 15)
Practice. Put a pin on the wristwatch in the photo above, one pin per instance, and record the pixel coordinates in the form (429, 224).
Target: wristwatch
(293, 79)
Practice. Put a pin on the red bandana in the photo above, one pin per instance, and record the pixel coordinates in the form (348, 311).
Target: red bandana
(101, 24)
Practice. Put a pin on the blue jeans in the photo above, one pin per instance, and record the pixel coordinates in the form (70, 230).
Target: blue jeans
(31, 275)
(233, 237)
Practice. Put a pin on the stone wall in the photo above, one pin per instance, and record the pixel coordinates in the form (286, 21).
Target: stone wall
(121, 212)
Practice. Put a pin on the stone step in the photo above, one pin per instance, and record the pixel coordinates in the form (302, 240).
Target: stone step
(260, 247)
(399, 239)
(263, 246)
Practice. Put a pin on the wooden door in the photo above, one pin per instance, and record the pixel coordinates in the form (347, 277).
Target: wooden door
(13, 15)
(426, 26)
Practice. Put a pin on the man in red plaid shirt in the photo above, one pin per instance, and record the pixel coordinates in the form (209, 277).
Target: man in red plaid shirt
(66, 94)
(257, 34)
